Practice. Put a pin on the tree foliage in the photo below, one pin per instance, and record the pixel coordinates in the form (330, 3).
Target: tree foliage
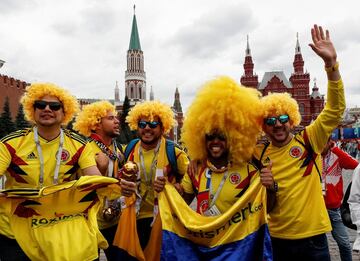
(125, 133)
(20, 122)
(6, 123)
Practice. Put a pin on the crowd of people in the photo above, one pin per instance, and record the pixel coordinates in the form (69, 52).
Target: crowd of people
(221, 133)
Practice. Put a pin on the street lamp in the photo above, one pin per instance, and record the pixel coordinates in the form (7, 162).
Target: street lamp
(1, 63)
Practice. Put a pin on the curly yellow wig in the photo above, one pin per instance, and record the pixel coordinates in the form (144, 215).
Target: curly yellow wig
(150, 110)
(91, 115)
(225, 106)
(38, 90)
(281, 103)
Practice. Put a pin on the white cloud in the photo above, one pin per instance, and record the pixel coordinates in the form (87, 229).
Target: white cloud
(82, 44)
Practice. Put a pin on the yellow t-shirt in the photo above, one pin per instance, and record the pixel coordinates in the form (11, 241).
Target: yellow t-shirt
(147, 203)
(19, 161)
(300, 211)
(237, 179)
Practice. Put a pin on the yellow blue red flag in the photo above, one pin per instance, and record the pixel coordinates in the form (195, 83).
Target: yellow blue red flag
(241, 233)
(179, 233)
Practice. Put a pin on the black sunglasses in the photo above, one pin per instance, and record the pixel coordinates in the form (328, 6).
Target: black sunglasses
(272, 120)
(213, 136)
(54, 106)
(152, 124)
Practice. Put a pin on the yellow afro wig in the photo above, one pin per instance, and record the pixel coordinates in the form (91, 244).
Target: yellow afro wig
(281, 103)
(91, 115)
(225, 106)
(150, 110)
(38, 90)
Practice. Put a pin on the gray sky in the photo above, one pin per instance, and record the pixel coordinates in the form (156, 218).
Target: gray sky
(82, 44)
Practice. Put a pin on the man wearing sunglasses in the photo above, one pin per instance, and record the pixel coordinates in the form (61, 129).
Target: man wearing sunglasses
(220, 133)
(42, 155)
(153, 120)
(99, 122)
(299, 222)
(222, 145)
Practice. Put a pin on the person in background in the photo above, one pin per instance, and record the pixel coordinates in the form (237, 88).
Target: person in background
(334, 161)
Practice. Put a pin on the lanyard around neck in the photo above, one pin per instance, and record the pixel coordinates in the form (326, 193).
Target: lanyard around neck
(41, 158)
(213, 197)
(153, 163)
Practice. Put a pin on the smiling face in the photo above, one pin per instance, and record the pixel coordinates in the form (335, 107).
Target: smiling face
(279, 133)
(216, 147)
(47, 117)
(150, 134)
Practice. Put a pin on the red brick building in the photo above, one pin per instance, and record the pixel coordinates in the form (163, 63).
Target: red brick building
(13, 89)
(297, 85)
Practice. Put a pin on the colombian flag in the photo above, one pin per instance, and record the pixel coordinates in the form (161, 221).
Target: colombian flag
(241, 233)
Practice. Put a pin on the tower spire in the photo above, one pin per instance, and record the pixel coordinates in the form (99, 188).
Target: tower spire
(134, 38)
(135, 76)
(297, 48)
(151, 93)
(249, 79)
(248, 51)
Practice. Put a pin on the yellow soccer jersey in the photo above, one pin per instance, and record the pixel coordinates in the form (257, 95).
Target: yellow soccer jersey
(147, 204)
(60, 222)
(300, 209)
(19, 161)
(237, 180)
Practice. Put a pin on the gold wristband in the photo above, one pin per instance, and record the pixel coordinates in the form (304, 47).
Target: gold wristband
(333, 68)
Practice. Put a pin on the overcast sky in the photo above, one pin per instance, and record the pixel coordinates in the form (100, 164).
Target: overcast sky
(82, 44)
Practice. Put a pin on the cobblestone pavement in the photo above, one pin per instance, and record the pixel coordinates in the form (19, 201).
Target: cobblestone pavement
(334, 250)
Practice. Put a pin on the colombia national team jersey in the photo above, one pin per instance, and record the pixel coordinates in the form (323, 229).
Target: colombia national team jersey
(20, 162)
(237, 180)
(300, 210)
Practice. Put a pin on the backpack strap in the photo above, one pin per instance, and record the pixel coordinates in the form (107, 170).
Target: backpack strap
(171, 156)
(129, 148)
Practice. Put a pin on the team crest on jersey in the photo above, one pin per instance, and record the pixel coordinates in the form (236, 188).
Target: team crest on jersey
(295, 152)
(235, 178)
(65, 155)
(204, 205)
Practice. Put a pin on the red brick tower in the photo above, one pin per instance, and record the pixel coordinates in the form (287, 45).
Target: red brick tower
(300, 85)
(249, 79)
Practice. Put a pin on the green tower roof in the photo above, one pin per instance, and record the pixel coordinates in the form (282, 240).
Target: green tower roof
(134, 38)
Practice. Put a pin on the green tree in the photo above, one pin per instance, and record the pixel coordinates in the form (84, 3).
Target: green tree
(6, 124)
(125, 133)
(20, 122)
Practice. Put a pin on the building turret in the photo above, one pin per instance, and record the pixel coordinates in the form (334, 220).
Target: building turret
(135, 76)
(249, 79)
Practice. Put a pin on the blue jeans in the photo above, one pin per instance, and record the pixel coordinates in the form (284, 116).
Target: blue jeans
(313, 248)
(340, 234)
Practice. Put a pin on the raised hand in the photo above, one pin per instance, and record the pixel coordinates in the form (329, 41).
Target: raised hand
(323, 46)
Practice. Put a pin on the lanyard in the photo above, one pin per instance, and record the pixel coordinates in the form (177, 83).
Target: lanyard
(41, 158)
(213, 197)
(153, 163)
